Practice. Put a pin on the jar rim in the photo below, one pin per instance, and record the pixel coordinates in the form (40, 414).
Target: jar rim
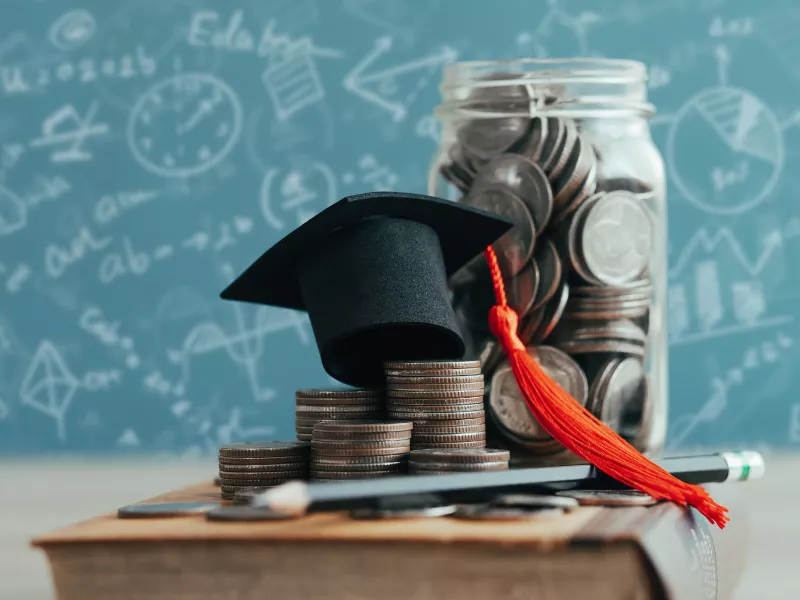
(533, 70)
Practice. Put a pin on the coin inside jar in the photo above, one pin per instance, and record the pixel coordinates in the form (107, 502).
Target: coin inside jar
(609, 497)
(515, 248)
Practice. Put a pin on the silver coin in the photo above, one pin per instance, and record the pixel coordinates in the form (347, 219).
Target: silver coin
(617, 239)
(451, 396)
(609, 497)
(273, 448)
(318, 466)
(435, 387)
(482, 455)
(433, 372)
(266, 460)
(256, 467)
(428, 365)
(447, 428)
(535, 501)
(446, 445)
(553, 144)
(487, 512)
(401, 403)
(551, 315)
(331, 436)
(308, 410)
(358, 445)
(509, 406)
(431, 415)
(227, 477)
(537, 134)
(437, 424)
(478, 378)
(247, 513)
(312, 420)
(514, 248)
(449, 437)
(483, 139)
(525, 179)
(159, 510)
(337, 394)
(619, 329)
(578, 178)
(363, 426)
(415, 466)
(402, 513)
(550, 272)
(317, 474)
(638, 419)
(625, 386)
(574, 235)
(563, 151)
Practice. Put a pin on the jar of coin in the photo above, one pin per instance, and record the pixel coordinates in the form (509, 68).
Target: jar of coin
(562, 148)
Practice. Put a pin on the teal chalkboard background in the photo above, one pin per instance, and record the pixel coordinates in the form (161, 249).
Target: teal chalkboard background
(119, 226)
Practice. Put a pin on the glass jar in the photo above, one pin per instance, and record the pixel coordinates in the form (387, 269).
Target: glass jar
(562, 147)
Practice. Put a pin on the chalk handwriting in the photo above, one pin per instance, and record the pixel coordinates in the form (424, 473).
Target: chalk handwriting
(156, 382)
(68, 131)
(57, 259)
(300, 194)
(127, 262)
(733, 28)
(47, 189)
(107, 332)
(13, 212)
(209, 29)
(372, 174)
(17, 278)
(72, 30)
(30, 77)
(111, 206)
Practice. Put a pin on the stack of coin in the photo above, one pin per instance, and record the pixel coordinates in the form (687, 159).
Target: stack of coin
(439, 461)
(575, 263)
(316, 405)
(359, 449)
(444, 400)
(261, 465)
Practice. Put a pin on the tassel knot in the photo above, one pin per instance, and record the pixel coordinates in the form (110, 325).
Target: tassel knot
(503, 323)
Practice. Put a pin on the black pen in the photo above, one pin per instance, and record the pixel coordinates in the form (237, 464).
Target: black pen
(299, 497)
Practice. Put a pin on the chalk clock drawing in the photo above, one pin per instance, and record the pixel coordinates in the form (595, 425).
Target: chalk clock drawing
(185, 125)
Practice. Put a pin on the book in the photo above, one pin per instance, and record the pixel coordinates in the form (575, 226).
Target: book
(603, 553)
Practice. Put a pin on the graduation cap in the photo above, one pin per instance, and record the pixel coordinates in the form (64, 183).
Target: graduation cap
(371, 271)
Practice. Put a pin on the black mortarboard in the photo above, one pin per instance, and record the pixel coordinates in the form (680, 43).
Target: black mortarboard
(372, 271)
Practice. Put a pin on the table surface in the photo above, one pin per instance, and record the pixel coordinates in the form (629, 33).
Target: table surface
(42, 495)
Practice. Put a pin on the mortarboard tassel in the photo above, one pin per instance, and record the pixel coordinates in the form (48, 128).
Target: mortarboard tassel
(579, 430)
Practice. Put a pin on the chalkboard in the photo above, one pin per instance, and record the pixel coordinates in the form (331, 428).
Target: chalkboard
(120, 224)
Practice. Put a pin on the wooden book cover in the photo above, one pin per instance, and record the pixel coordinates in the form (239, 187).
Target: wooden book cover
(634, 553)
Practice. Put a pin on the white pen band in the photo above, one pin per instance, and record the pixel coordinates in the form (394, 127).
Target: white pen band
(744, 465)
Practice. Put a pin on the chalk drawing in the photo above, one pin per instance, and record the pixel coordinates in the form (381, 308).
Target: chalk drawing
(301, 193)
(372, 175)
(744, 295)
(753, 359)
(429, 127)
(107, 333)
(72, 30)
(68, 131)
(128, 439)
(185, 125)
(58, 259)
(13, 212)
(111, 207)
(293, 85)
(17, 278)
(396, 18)
(547, 30)
(744, 150)
(382, 88)
(49, 386)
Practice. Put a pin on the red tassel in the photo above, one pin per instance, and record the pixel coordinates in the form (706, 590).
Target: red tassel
(579, 430)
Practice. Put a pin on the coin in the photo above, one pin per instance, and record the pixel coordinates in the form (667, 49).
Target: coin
(609, 497)
(556, 133)
(158, 510)
(436, 395)
(438, 424)
(401, 403)
(358, 445)
(397, 465)
(265, 460)
(411, 372)
(550, 271)
(515, 247)
(616, 239)
(480, 455)
(551, 315)
(575, 347)
(260, 467)
(263, 449)
(535, 501)
(472, 413)
(638, 419)
(624, 385)
(415, 466)
(563, 151)
(247, 513)
(334, 394)
(435, 380)
(402, 513)
(360, 436)
(618, 329)
(449, 437)
(488, 512)
(366, 461)
(447, 428)
(228, 477)
(537, 134)
(586, 189)
(524, 178)
(363, 426)
(316, 410)
(628, 184)
(482, 139)
(428, 365)
(318, 474)
(436, 387)
(385, 451)
(509, 406)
